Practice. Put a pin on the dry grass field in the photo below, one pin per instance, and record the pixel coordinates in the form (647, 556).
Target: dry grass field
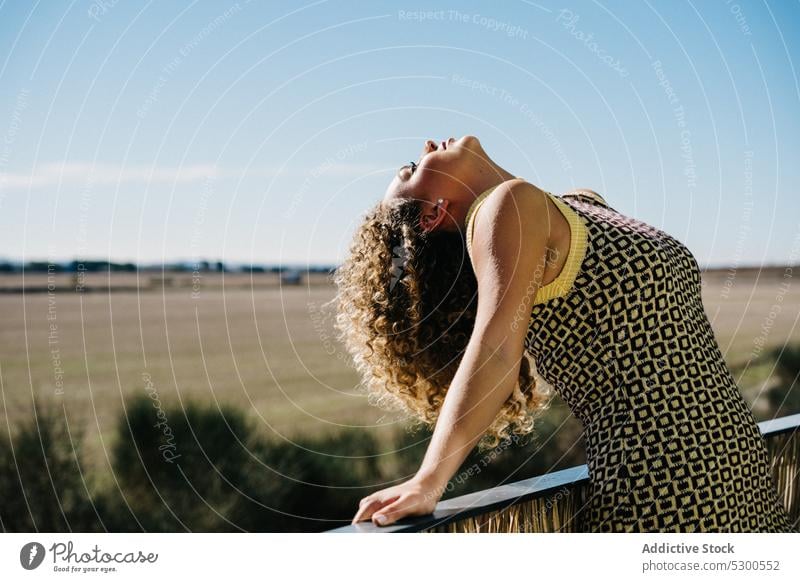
(266, 348)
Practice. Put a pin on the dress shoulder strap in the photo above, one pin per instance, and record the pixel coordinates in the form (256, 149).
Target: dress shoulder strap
(470, 220)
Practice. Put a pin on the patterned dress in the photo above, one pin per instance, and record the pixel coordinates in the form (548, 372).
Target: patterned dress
(622, 336)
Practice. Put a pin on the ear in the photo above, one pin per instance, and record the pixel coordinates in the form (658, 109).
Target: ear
(434, 215)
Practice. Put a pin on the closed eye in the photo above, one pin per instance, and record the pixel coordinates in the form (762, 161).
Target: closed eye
(412, 166)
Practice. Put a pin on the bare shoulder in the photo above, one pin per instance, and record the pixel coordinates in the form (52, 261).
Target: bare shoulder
(515, 214)
(511, 203)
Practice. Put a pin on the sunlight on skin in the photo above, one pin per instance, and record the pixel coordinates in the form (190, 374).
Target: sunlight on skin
(454, 171)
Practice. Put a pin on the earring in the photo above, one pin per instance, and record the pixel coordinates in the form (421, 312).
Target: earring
(440, 201)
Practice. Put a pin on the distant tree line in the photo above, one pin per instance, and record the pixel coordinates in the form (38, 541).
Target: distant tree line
(96, 266)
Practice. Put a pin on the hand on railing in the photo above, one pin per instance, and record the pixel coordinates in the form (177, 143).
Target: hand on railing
(416, 496)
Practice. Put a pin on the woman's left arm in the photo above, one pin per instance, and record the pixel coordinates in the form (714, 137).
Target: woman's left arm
(508, 252)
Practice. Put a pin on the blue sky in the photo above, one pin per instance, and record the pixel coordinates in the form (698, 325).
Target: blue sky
(259, 132)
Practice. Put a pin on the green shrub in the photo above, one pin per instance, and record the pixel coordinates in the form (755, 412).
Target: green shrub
(321, 480)
(205, 469)
(180, 469)
(785, 397)
(42, 485)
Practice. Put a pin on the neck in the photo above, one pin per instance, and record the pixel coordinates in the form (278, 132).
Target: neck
(488, 175)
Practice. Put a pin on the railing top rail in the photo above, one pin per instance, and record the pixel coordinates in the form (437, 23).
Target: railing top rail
(481, 502)
(780, 425)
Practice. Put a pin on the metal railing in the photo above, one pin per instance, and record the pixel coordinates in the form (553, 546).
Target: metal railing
(550, 502)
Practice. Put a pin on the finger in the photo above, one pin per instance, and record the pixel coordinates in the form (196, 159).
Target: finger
(363, 508)
(392, 512)
(375, 504)
(365, 511)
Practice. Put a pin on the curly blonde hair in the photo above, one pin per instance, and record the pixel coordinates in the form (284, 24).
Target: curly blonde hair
(405, 310)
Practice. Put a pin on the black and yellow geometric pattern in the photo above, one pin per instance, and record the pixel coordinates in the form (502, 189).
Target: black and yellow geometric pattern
(623, 337)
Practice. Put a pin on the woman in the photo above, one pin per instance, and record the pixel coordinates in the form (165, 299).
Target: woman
(463, 270)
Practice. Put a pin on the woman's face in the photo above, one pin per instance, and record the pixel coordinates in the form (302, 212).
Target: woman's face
(443, 169)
